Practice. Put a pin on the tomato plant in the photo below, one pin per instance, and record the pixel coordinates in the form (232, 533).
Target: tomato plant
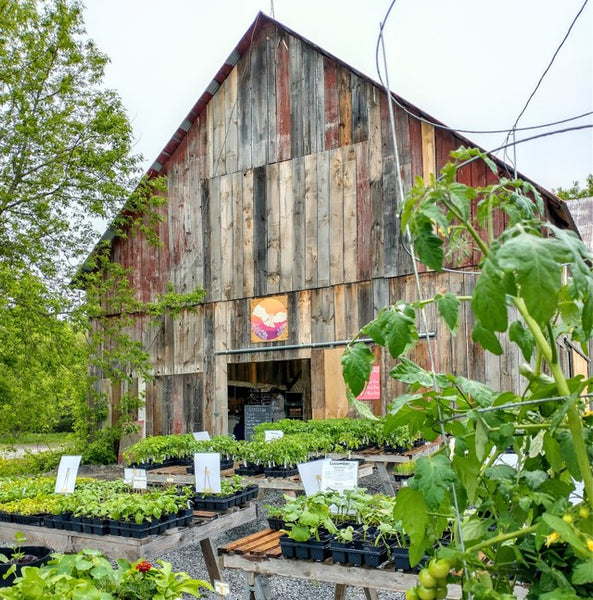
(534, 289)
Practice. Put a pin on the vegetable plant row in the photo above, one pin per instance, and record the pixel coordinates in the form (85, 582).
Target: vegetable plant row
(110, 506)
(302, 440)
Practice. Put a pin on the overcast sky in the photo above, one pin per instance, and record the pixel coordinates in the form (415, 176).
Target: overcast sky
(471, 64)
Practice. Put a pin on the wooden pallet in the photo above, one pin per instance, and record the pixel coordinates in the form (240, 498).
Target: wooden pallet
(260, 544)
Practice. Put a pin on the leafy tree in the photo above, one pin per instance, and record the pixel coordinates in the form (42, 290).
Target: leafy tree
(65, 161)
(575, 191)
(508, 522)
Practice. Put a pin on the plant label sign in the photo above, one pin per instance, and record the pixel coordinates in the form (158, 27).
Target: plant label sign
(312, 475)
(67, 471)
(207, 472)
(339, 475)
(273, 434)
(201, 436)
(136, 478)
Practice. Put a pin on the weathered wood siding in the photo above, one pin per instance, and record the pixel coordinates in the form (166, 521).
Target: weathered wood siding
(286, 183)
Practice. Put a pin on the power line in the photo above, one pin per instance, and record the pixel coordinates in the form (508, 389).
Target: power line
(460, 129)
(540, 80)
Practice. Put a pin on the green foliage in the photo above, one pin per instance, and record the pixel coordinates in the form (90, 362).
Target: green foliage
(508, 521)
(576, 191)
(90, 574)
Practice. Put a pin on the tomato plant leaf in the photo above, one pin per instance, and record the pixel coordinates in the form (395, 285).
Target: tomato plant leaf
(448, 306)
(583, 573)
(410, 508)
(523, 338)
(486, 338)
(537, 263)
(567, 533)
(411, 373)
(429, 247)
(433, 477)
(489, 300)
(357, 362)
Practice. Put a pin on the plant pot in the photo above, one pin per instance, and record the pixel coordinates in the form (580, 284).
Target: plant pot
(276, 523)
(137, 530)
(287, 545)
(280, 471)
(36, 520)
(339, 551)
(185, 517)
(39, 555)
(314, 549)
(114, 526)
(373, 556)
(401, 558)
(99, 526)
(250, 469)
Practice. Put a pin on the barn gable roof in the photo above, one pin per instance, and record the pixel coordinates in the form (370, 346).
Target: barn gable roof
(556, 206)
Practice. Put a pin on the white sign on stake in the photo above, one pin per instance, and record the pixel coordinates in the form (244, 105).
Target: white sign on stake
(136, 478)
(312, 475)
(273, 434)
(201, 436)
(207, 472)
(339, 475)
(67, 471)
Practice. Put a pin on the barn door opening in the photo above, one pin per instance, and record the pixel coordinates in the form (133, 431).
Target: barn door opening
(282, 385)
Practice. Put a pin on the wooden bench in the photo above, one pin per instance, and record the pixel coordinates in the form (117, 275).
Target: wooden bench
(259, 555)
(205, 525)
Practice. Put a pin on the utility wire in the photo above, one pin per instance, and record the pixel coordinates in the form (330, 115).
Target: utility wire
(539, 82)
(460, 129)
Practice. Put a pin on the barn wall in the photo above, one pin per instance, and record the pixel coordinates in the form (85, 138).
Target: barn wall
(286, 183)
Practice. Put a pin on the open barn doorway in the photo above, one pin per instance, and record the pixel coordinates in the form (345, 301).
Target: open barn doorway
(282, 385)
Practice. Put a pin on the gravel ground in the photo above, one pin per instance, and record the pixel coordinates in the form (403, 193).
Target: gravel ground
(190, 560)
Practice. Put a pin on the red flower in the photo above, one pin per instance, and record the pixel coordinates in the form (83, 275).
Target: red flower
(143, 566)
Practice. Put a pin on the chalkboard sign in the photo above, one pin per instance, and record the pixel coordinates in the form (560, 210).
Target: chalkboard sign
(254, 415)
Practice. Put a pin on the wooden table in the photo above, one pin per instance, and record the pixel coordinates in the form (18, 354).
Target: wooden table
(204, 526)
(259, 555)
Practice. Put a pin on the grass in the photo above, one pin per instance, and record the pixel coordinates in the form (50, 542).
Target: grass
(34, 438)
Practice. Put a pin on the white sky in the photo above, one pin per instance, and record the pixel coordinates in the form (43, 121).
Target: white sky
(471, 64)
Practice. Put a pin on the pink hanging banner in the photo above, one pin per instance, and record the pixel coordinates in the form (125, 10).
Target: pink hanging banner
(372, 390)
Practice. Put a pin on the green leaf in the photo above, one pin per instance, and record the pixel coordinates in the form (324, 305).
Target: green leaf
(583, 573)
(357, 363)
(395, 327)
(448, 306)
(567, 533)
(481, 438)
(411, 373)
(410, 508)
(588, 313)
(486, 338)
(523, 338)
(429, 248)
(489, 299)
(433, 477)
(538, 264)
(480, 392)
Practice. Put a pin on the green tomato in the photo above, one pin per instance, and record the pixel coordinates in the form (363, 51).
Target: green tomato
(584, 512)
(412, 594)
(439, 568)
(426, 579)
(568, 518)
(426, 593)
(440, 592)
